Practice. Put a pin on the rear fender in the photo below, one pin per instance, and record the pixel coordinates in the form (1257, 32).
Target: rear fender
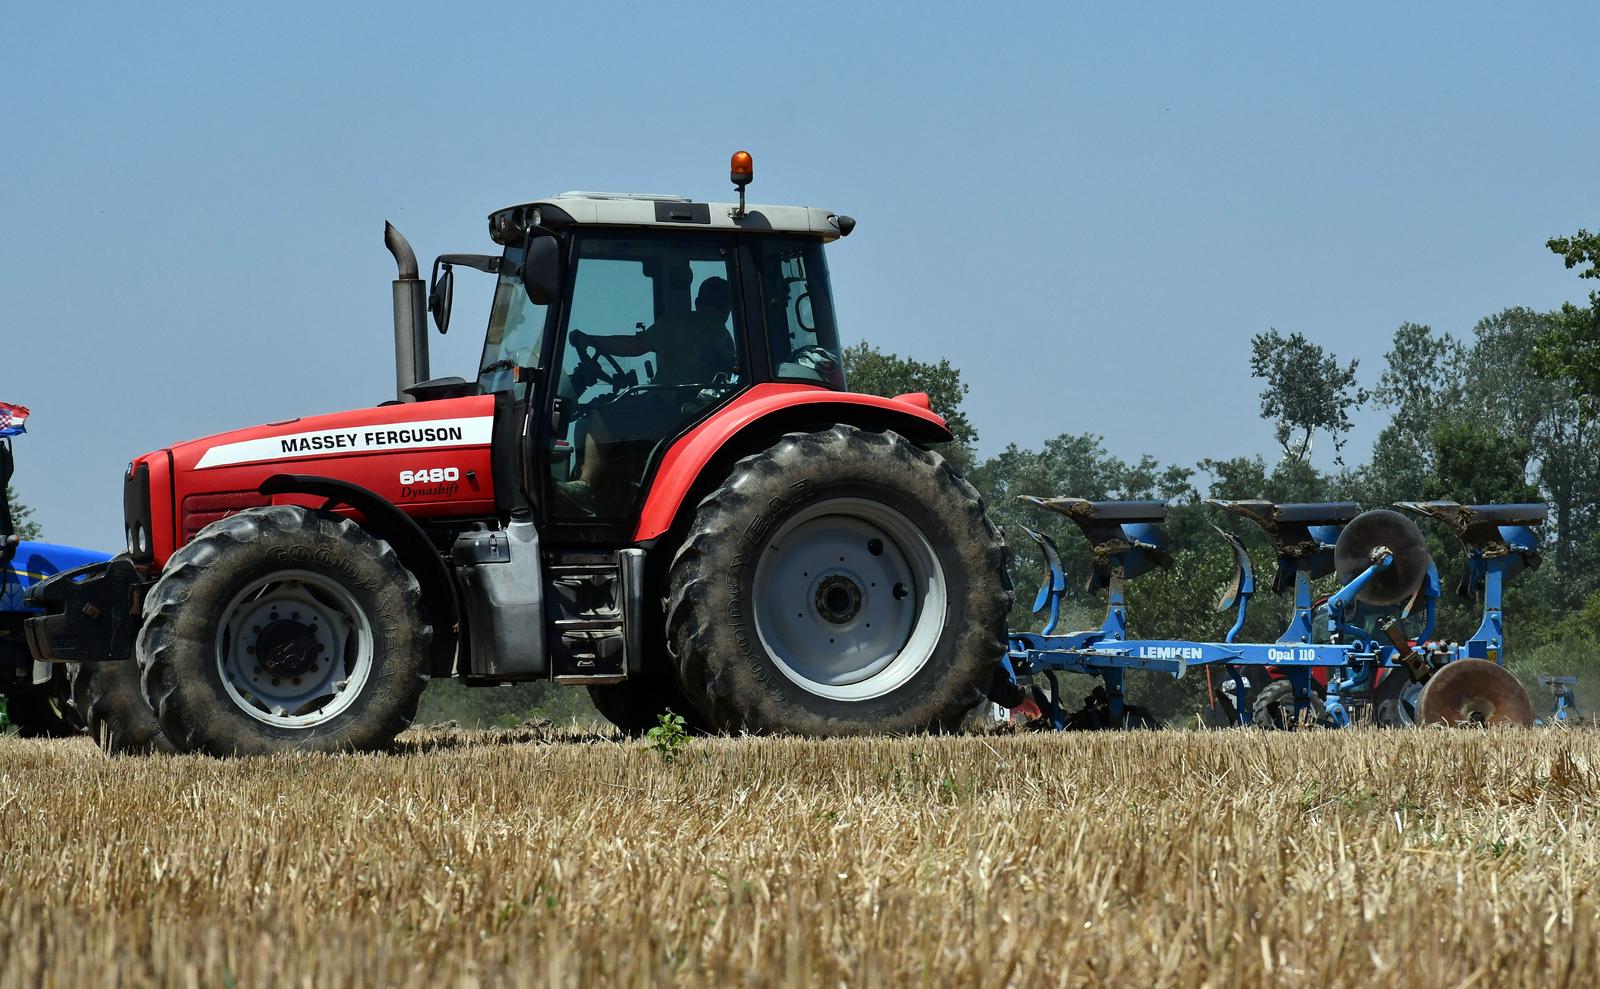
(415, 550)
(702, 457)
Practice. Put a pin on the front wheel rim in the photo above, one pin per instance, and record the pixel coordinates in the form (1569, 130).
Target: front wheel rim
(294, 649)
(849, 599)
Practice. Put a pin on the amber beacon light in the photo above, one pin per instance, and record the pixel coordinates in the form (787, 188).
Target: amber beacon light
(741, 170)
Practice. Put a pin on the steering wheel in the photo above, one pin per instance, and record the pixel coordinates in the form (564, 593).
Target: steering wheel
(589, 370)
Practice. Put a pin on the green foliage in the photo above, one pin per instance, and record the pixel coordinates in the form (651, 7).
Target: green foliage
(21, 516)
(1476, 464)
(1570, 348)
(1423, 382)
(870, 371)
(669, 737)
(1307, 390)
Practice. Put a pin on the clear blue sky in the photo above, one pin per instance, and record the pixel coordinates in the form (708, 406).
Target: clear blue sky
(1087, 207)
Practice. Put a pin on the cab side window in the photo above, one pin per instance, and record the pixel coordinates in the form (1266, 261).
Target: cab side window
(801, 334)
(653, 342)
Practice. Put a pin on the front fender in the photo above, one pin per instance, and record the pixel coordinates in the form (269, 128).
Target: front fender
(765, 412)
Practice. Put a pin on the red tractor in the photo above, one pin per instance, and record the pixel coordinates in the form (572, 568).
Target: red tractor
(656, 486)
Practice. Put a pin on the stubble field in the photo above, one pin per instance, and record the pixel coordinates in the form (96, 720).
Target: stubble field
(556, 858)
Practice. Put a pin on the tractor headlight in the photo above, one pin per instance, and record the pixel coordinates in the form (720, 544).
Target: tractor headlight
(136, 512)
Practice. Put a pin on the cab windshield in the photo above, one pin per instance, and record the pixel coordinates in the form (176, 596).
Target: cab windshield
(516, 331)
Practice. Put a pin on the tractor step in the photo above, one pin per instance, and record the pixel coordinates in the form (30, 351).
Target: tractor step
(593, 607)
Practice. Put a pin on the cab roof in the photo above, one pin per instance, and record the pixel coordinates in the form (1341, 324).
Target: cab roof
(627, 209)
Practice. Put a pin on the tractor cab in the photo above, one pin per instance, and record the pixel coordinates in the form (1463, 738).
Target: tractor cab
(619, 321)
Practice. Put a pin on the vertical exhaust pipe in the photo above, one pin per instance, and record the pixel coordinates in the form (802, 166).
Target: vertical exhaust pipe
(410, 319)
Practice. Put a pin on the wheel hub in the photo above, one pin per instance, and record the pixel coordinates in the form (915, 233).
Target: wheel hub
(287, 648)
(838, 599)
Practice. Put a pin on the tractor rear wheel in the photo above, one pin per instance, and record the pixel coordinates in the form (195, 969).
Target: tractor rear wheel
(1395, 703)
(839, 582)
(282, 629)
(108, 698)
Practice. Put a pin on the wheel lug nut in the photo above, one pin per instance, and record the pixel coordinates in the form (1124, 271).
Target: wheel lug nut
(275, 681)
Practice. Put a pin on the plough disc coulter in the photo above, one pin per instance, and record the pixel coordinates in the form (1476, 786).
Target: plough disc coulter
(1358, 638)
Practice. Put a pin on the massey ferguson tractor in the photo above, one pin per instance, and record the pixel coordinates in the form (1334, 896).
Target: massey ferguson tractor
(656, 486)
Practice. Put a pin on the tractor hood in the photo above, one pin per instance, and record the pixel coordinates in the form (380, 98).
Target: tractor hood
(429, 458)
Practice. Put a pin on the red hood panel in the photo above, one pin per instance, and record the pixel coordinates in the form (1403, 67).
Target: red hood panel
(429, 458)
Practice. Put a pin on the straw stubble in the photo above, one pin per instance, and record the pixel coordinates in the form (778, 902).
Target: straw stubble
(540, 858)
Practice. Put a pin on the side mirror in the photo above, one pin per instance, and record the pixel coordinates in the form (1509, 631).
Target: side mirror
(441, 295)
(541, 269)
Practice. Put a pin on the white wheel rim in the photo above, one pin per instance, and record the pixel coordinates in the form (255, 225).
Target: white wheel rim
(294, 650)
(849, 599)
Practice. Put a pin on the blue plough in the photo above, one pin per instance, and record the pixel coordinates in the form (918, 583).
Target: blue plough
(1373, 637)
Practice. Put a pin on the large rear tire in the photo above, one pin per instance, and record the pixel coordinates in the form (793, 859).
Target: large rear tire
(1395, 701)
(108, 698)
(839, 582)
(281, 629)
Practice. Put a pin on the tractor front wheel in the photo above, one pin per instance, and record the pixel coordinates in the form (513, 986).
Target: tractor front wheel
(282, 629)
(839, 582)
(108, 698)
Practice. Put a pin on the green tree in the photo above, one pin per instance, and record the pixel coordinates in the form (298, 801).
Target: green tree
(870, 371)
(1307, 390)
(1570, 348)
(1475, 464)
(1422, 382)
(22, 516)
(1506, 394)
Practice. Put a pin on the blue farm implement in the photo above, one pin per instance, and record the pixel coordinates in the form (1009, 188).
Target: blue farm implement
(1365, 653)
(36, 694)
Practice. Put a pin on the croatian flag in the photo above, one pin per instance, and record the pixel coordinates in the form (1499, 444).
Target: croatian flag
(12, 419)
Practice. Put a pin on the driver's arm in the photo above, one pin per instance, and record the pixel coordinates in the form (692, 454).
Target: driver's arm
(621, 344)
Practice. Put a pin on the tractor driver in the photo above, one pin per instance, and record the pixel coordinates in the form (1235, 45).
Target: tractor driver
(690, 348)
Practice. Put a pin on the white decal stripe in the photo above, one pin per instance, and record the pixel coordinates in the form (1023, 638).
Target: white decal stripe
(429, 433)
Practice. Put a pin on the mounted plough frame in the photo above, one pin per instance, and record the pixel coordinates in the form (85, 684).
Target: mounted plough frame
(1358, 637)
